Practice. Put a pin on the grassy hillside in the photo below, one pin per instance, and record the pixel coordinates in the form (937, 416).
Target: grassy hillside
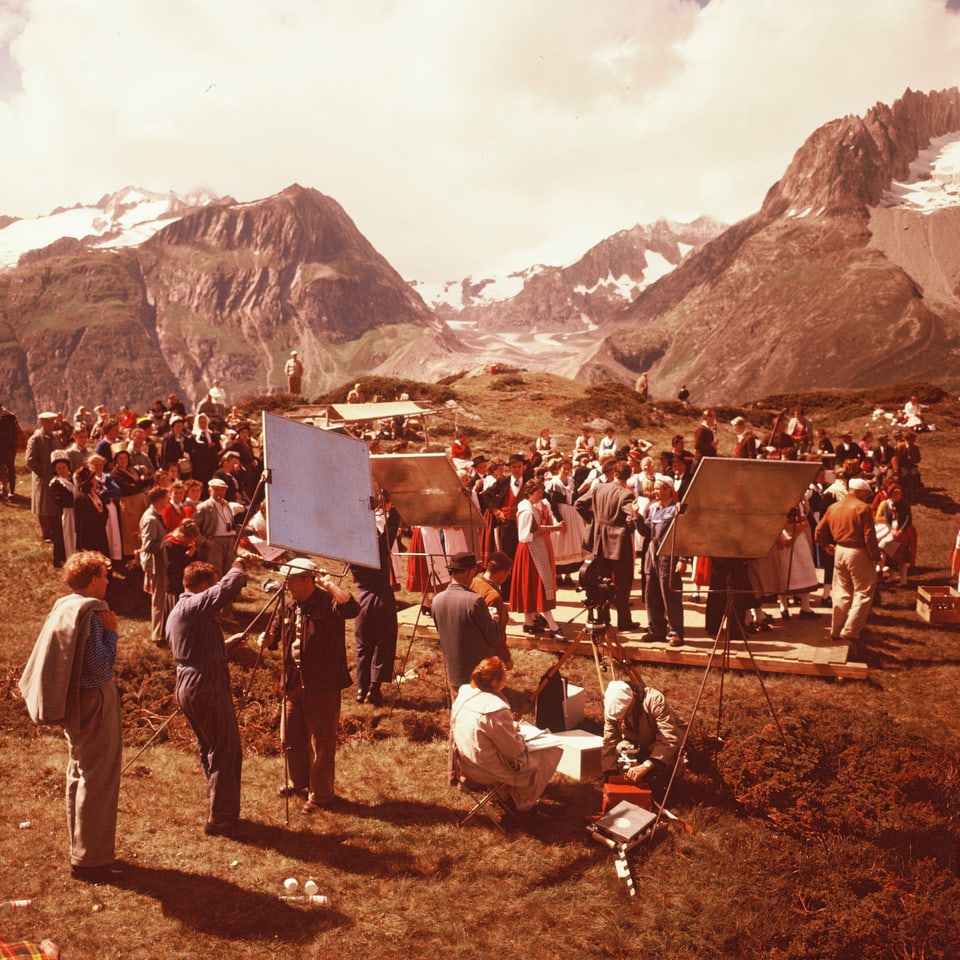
(843, 844)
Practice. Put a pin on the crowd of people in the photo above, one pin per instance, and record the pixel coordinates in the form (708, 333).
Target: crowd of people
(610, 501)
(169, 493)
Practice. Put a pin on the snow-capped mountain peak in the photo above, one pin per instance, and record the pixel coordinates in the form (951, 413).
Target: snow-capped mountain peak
(121, 219)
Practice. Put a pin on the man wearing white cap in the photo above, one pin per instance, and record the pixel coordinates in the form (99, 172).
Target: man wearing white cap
(641, 725)
(40, 446)
(294, 373)
(664, 597)
(847, 532)
(215, 519)
(315, 670)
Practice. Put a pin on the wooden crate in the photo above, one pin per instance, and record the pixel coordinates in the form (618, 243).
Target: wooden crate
(938, 604)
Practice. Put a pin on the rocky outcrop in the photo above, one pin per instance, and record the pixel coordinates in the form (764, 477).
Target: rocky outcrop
(227, 291)
(799, 295)
(847, 164)
(589, 292)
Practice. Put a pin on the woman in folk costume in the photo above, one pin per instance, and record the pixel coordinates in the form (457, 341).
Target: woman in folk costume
(896, 534)
(62, 490)
(788, 569)
(133, 486)
(109, 493)
(489, 747)
(560, 491)
(533, 585)
(90, 513)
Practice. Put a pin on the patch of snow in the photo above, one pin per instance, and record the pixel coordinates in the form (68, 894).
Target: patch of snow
(934, 178)
(685, 248)
(134, 214)
(623, 285)
(657, 266)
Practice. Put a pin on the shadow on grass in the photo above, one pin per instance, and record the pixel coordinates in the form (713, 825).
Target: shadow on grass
(217, 907)
(337, 846)
(938, 499)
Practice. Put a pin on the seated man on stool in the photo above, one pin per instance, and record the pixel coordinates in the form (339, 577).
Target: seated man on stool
(641, 736)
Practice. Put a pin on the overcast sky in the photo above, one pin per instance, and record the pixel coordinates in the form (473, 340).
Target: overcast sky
(461, 137)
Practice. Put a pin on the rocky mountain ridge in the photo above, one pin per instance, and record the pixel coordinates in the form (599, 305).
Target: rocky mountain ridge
(842, 278)
(578, 296)
(801, 295)
(225, 291)
(124, 218)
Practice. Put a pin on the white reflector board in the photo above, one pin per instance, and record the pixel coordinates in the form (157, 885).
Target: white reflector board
(737, 508)
(425, 489)
(318, 497)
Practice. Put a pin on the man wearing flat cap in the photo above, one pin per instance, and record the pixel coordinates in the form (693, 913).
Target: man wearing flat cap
(40, 446)
(468, 634)
(294, 374)
(311, 629)
(203, 685)
(215, 519)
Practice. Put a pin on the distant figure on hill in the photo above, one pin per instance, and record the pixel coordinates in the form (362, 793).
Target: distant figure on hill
(294, 374)
(684, 395)
(643, 387)
(356, 395)
(218, 394)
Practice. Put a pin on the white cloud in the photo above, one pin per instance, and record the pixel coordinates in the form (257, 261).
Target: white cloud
(462, 136)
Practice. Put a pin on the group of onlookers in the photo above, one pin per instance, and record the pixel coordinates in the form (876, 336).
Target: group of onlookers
(538, 510)
(151, 491)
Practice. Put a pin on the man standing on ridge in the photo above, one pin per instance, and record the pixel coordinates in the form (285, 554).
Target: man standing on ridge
(294, 374)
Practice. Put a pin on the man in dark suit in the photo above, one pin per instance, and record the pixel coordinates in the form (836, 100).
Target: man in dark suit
(608, 510)
(468, 634)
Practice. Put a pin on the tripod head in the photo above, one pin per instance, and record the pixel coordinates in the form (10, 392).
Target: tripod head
(599, 594)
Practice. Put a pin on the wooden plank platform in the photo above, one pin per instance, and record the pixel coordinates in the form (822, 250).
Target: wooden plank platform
(795, 646)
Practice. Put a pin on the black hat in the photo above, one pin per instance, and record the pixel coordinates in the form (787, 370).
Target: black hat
(515, 458)
(478, 460)
(461, 562)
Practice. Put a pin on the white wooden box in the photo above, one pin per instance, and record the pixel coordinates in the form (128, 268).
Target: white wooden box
(573, 705)
(581, 754)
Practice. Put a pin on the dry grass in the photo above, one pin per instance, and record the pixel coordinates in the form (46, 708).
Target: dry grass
(844, 845)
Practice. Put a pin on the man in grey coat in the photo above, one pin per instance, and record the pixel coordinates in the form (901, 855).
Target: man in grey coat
(69, 680)
(152, 532)
(468, 634)
(41, 444)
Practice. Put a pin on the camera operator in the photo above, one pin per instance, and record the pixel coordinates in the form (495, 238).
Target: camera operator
(641, 735)
(609, 510)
